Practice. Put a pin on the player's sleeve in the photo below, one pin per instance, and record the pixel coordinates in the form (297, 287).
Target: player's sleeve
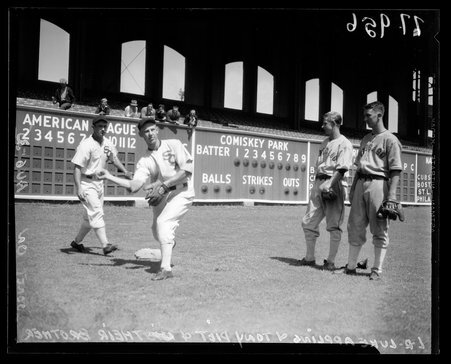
(81, 157)
(113, 149)
(320, 158)
(344, 160)
(394, 150)
(142, 171)
(183, 157)
(360, 152)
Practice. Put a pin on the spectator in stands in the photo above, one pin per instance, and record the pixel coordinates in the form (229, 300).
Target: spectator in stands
(131, 111)
(161, 113)
(64, 95)
(103, 108)
(148, 111)
(191, 119)
(173, 115)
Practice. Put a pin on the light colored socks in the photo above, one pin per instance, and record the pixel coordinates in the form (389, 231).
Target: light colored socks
(85, 228)
(335, 239)
(166, 256)
(353, 256)
(379, 256)
(310, 254)
(101, 235)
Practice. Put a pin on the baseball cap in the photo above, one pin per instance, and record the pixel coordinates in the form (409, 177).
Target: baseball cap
(104, 100)
(145, 121)
(99, 118)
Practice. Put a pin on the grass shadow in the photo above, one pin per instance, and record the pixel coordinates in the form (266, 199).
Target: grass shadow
(152, 266)
(295, 263)
(73, 251)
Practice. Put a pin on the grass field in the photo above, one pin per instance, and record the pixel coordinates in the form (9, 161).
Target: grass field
(235, 280)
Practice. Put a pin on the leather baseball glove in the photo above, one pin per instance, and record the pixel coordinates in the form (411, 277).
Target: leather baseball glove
(156, 192)
(391, 209)
(329, 195)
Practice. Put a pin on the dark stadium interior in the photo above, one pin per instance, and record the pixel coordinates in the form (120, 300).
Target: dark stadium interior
(293, 45)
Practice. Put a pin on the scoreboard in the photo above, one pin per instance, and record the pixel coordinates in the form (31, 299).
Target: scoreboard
(232, 165)
(47, 139)
(229, 165)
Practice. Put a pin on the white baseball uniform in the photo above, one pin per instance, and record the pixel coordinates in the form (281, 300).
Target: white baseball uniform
(378, 155)
(334, 154)
(163, 163)
(92, 156)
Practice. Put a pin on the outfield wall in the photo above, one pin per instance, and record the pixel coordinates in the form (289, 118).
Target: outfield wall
(229, 165)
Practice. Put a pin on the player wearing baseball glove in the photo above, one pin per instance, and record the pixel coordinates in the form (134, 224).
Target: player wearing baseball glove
(156, 192)
(392, 210)
(374, 189)
(169, 166)
(328, 194)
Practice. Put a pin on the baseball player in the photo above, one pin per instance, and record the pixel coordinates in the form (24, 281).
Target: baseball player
(377, 176)
(169, 166)
(328, 192)
(92, 154)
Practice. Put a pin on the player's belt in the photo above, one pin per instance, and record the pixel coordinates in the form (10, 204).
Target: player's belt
(370, 177)
(183, 185)
(322, 177)
(92, 177)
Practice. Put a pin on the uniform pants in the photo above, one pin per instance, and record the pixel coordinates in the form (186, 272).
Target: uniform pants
(318, 208)
(93, 204)
(368, 197)
(167, 216)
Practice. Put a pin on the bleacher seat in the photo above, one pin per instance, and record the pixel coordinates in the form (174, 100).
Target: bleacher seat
(212, 118)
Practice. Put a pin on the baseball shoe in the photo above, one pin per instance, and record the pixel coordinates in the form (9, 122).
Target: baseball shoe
(79, 247)
(363, 264)
(162, 274)
(328, 265)
(304, 262)
(375, 276)
(109, 249)
(345, 270)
